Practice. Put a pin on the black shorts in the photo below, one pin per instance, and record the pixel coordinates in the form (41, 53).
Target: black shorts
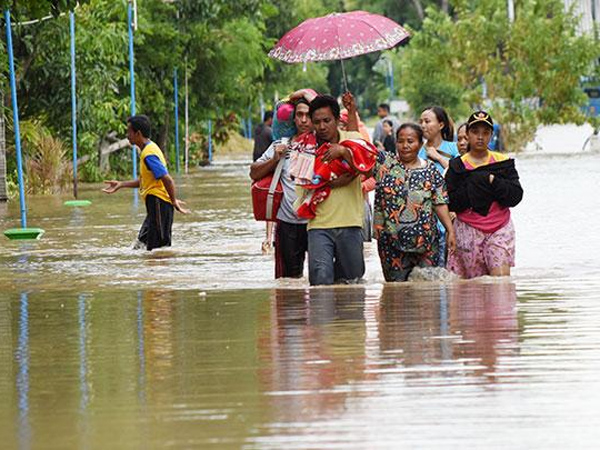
(156, 229)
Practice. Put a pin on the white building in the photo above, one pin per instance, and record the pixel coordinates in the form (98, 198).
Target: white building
(588, 10)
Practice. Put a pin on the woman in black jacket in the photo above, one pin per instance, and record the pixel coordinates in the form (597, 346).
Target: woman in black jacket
(482, 186)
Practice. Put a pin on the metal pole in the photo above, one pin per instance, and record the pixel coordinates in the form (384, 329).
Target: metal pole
(250, 122)
(391, 72)
(344, 78)
(210, 143)
(176, 100)
(73, 101)
(187, 121)
(15, 106)
(130, 17)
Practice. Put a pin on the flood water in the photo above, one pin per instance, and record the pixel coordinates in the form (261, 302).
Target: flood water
(196, 346)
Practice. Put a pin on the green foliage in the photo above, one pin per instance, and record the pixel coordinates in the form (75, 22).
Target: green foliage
(531, 68)
(48, 169)
(39, 8)
(43, 63)
(428, 66)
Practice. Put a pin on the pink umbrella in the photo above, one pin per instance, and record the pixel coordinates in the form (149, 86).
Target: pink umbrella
(338, 36)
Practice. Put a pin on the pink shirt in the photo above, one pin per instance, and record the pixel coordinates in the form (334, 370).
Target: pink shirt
(498, 216)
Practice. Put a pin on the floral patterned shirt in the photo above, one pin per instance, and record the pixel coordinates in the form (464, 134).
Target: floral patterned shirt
(404, 203)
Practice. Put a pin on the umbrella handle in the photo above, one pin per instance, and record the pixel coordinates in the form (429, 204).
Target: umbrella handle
(344, 76)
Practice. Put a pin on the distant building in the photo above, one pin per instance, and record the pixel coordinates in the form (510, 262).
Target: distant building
(589, 12)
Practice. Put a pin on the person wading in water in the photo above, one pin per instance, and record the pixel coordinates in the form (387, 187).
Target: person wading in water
(157, 188)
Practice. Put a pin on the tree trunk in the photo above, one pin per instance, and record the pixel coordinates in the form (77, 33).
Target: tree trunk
(418, 7)
(3, 189)
(109, 144)
(162, 139)
(445, 6)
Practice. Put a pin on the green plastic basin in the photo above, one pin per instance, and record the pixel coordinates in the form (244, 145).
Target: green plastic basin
(15, 234)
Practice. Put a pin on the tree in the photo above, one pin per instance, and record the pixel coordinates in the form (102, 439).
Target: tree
(39, 8)
(222, 41)
(530, 69)
(28, 8)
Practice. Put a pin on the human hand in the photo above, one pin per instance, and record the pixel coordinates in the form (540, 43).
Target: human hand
(342, 180)
(432, 153)
(451, 241)
(113, 186)
(334, 151)
(307, 94)
(349, 102)
(280, 150)
(178, 205)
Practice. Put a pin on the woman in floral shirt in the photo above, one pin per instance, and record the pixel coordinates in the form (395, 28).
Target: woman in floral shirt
(410, 194)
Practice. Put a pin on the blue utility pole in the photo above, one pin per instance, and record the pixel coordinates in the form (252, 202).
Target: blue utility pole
(73, 100)
(15, 107)
(130, 14)
(176, 99)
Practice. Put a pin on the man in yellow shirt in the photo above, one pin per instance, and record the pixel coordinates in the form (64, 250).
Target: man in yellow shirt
(335, 242)
(157, 188)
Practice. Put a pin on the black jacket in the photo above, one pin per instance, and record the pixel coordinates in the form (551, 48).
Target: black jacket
(472, 188)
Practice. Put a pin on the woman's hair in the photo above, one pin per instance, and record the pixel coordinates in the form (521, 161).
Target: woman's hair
(442, 117)
(389, 123)
(302, 101)
(413, 126)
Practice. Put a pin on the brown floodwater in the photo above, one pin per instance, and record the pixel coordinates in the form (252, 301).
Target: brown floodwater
(196, 346)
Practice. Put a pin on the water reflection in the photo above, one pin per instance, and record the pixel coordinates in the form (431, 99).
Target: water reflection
(83, 365)
(22, 381)
(462, 329)
(485, 316)
(77, 217)
(84, 381)
(316, 342)
(141, 348)
(290, 368)
(323, 342)
(111, 348)
(156, 343)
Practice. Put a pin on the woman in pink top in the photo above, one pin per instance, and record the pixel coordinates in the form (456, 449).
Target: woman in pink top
(482, 186)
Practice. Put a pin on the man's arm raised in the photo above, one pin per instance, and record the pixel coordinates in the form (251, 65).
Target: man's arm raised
(114, 185)
(350, 104)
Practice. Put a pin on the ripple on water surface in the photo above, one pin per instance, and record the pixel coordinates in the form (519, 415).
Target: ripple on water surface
(196, 346)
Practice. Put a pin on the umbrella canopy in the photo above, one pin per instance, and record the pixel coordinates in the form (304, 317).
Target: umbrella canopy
(338, 36)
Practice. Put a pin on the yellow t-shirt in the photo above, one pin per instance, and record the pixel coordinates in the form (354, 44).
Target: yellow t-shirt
(148, 184)
(345, 205)
(492, 158)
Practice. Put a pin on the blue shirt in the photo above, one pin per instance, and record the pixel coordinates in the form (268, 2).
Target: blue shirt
(494, 142)
(156, 166)
(448, 148)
